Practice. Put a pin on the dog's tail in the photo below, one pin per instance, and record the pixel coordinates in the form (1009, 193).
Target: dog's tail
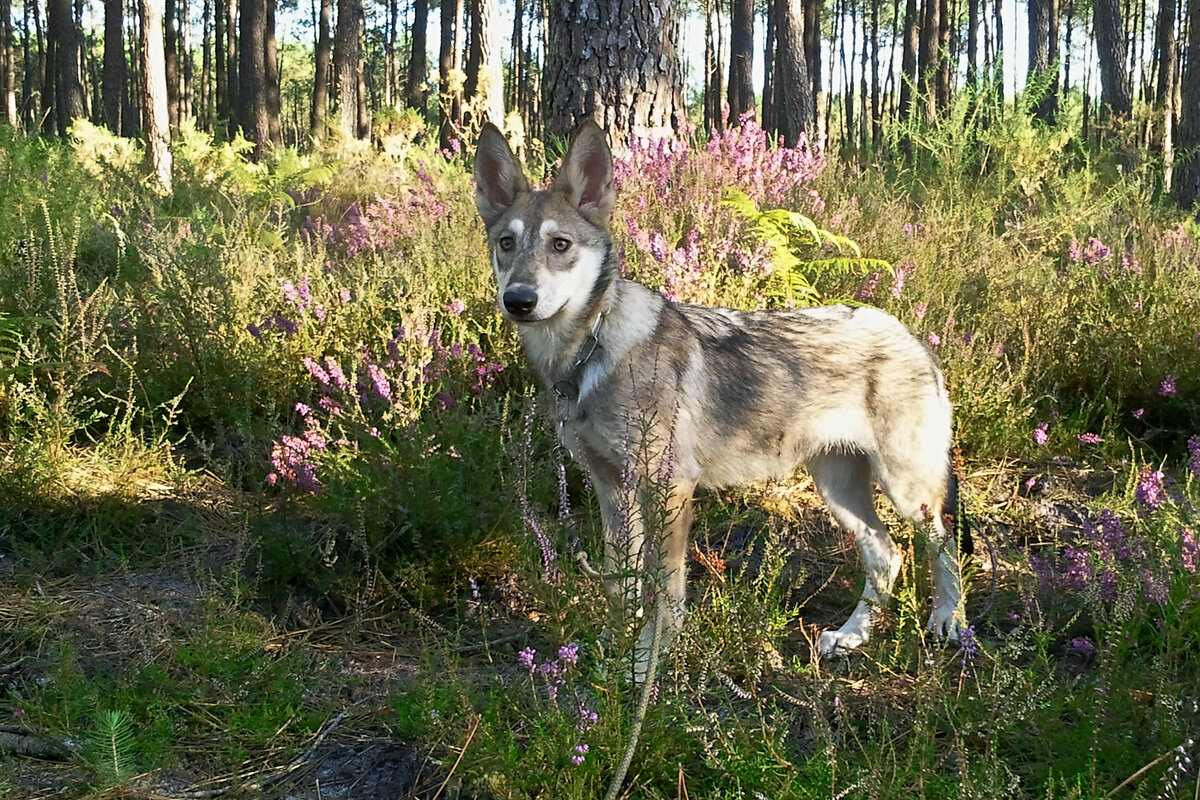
(956, 513)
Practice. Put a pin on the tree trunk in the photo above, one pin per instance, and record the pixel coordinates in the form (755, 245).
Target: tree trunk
(233, 83)
(812, 50)
(154, 98)
(485, 69)
(927, 58)
(1187, 184)
(908, 59)
(171, 60)
(68, 89)
(793, 91)
(274, 102)
(347, 64)
(714, 69)
(255, 116)
(635, 90)
(449, 86)
(322, 58)
(220, 70)
(1039, 45)
(1112, 51)
(1165, 52)
(741, 60)
(416, 95)
(8, 78)
(768, 94)
(114, 63)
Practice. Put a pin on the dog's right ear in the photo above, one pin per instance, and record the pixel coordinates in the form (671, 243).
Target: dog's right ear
(498, 176)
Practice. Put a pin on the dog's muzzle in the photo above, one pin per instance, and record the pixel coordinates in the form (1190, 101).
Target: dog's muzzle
(520, 301)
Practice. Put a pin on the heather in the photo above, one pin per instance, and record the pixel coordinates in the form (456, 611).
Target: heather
(288, 380)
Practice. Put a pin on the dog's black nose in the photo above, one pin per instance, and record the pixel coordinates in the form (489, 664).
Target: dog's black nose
(520, 300)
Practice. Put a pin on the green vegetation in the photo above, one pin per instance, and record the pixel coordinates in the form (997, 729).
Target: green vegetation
(272, 471)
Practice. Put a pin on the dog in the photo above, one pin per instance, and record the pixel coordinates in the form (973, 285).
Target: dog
(712, 397)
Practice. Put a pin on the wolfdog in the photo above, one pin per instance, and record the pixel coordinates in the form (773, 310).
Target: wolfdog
(732, 397)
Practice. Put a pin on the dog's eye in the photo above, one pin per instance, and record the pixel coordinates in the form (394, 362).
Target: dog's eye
(562, 245)
(506, 243)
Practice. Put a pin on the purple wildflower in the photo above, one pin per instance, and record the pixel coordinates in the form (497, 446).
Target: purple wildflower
(1040, 434)
(920, 310)
(525, 658)
(1167, 387)
(934, 339)
(456, 307)
(580, 754)
(1150, 489)
(1089, 438)
(1193, 464)
(1084, 646)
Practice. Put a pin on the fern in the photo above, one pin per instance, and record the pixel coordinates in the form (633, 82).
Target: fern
(787, 234)
(110, 745)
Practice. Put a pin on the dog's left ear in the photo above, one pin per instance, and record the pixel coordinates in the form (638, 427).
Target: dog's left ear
(498, 176)
(586, 177)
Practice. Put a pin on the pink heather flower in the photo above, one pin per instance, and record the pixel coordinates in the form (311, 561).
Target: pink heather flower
(1189, 549)
(1083, 645)
(303, 410)
(1040, 434)
(344, 295)
(1089, 438)
(1193, 446)
(867, 289)
(1150, 489)
(934, 339)
(525, 658)
(1029, 484)
(1137, 413)
(920, 309)
(569, 653)
(1167, 387)
(289, 292)
(1073, 252)
(456, 307)
(580, 754)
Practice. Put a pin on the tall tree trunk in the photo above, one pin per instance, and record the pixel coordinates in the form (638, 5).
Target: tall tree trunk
(636, 93)
(154, 99)
(741, 60)
(274, 102)
(114, 63)
(928, 58)
(1112, 51)
(768, 94)
(347, 64)
(973, 44)
(714, 70)
(485, 70)
(256, 116)
(1165, 52)
(793, 91)
(68, 90)
(171, 62)
(233, 82)
(908, 60)
(322, 58)
(1187, 185)
(449, 87)
(220, 68)
(206, 106)
(943, 85)
(1039, 46)
(8, 78)
(416, 95)
(812, 50)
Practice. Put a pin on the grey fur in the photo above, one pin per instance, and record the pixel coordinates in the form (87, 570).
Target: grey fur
(712, 396)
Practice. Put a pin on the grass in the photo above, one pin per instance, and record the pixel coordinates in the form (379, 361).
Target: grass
(274, 483)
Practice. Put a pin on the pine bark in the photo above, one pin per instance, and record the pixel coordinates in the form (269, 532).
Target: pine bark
(795, 111)
(416, 94)
(1165, 52)
(741, 60)
(256, 113)
(154, 95)
(1187, 176)
(615, 61)
(65, 83)
(449, 90)
(322, 58)
(347, 64)
(1112, 51)
(171, 60)
(8, 78)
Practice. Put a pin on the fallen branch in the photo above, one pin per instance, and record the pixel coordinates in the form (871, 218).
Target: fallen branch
(26, 744)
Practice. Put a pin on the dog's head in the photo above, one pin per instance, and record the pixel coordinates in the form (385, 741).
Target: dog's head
(549, 247)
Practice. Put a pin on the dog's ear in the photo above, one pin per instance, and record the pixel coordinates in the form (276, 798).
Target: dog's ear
(586, 177)
(498, 176)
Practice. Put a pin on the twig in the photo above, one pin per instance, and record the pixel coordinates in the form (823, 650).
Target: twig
(462, 752)
(1140, 773)
(512, 637)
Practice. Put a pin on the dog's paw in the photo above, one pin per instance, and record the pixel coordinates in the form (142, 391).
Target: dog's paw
(840, 643)
(946, 624)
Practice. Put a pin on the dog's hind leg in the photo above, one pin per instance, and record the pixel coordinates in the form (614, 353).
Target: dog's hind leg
(920, 493)
(844, 481)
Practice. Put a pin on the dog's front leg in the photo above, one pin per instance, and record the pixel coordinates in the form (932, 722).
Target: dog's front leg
(667, 574)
